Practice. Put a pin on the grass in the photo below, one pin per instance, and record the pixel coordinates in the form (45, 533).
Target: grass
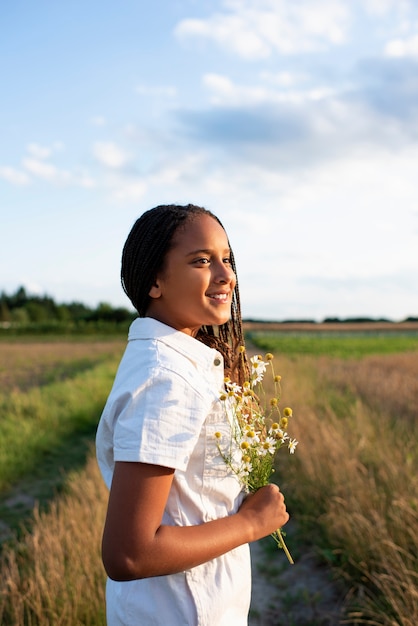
(51, 395)
(351, 487)
(52, 499)
(53, 575)
(335, 344)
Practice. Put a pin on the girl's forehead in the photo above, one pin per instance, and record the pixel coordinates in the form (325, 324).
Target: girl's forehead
(200, 227)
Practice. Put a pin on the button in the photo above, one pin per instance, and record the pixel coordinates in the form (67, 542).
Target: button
(217, 361)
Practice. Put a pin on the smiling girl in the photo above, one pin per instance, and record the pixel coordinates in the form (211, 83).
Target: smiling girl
(175, 542)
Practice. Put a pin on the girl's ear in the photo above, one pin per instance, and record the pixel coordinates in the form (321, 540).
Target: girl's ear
(155, 291)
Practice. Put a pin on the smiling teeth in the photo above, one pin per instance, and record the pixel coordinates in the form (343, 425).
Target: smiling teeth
(220, 296)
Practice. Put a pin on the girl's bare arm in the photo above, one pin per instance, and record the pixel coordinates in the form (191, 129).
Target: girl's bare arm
(136, 544)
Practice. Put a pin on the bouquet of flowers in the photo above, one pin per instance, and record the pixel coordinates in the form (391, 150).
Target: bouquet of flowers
(258, 429)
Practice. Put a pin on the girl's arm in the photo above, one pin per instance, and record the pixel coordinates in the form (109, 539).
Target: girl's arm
(136, 544)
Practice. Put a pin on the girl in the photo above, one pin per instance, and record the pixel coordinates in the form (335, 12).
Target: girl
(175, 541)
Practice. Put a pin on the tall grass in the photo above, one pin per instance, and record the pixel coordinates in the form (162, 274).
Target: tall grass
(53, 576)
(352, 488)
(353, 484)
(40, 418)
(51, 571)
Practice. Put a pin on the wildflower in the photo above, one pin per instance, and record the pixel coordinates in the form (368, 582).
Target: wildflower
(268, 446)
(251, 450)
(251, 436)
(233, 388)
(258, 368)
(246, 464)
(276, 432)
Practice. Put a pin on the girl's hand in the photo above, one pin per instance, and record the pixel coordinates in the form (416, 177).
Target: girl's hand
(264, 511)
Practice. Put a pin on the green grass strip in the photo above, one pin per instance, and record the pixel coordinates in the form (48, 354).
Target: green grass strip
(342, 345)
(34, 424)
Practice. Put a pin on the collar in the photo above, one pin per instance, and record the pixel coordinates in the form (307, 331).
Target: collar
(195, 350)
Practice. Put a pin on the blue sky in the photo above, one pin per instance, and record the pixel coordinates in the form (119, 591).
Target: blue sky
(295, 121)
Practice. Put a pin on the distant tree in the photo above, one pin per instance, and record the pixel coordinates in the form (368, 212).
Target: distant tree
(22, 308)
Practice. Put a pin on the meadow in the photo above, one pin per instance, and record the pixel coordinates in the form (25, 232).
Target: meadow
(352, 486)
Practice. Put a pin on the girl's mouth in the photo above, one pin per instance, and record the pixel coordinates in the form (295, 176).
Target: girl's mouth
(220, 297)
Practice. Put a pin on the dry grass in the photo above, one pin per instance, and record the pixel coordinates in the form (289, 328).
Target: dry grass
(54, 575)
(26, 364)
(356, 480)
(352, 488)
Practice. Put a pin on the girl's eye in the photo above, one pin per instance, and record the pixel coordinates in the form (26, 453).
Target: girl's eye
(227, 260)
(203, 260)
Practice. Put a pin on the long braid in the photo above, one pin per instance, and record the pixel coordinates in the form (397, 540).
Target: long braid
(143, 258)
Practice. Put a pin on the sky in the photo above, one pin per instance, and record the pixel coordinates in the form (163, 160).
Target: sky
(294, 121)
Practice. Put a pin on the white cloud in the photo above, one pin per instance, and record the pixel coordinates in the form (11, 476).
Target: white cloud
(128, 190)
(225, 92)
(45, 170)
(282, 79)
(110, 155)
(38, 151)
(399, 48)
(14, 176)
(255, 29)
(381, 7)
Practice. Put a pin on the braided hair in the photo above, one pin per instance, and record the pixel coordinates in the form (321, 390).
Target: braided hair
(143, 258)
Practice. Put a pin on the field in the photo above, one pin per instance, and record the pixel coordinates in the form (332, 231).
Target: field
(352, 486)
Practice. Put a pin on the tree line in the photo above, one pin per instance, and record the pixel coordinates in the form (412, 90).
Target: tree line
(21, 309)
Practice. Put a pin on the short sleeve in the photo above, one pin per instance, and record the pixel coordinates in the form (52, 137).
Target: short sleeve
(160, 422)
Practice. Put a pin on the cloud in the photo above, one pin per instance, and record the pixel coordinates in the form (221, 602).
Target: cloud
(226, 93)
(389, 86)
(14, 176)
(255, 29)
(47, 171)
(400, 48)
(110, 155)
(38, 151)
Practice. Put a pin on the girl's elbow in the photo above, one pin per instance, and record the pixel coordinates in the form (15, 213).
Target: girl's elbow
(122, 568)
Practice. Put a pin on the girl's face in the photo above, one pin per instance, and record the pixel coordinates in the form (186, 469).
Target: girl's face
(196, 285)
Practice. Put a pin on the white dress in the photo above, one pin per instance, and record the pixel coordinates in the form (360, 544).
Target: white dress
(164, 409)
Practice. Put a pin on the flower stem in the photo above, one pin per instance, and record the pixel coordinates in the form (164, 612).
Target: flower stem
(281, 543)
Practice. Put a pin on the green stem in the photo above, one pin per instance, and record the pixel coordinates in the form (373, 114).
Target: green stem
(279, 538)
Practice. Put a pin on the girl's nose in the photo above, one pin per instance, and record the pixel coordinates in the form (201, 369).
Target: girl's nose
(225, 274)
